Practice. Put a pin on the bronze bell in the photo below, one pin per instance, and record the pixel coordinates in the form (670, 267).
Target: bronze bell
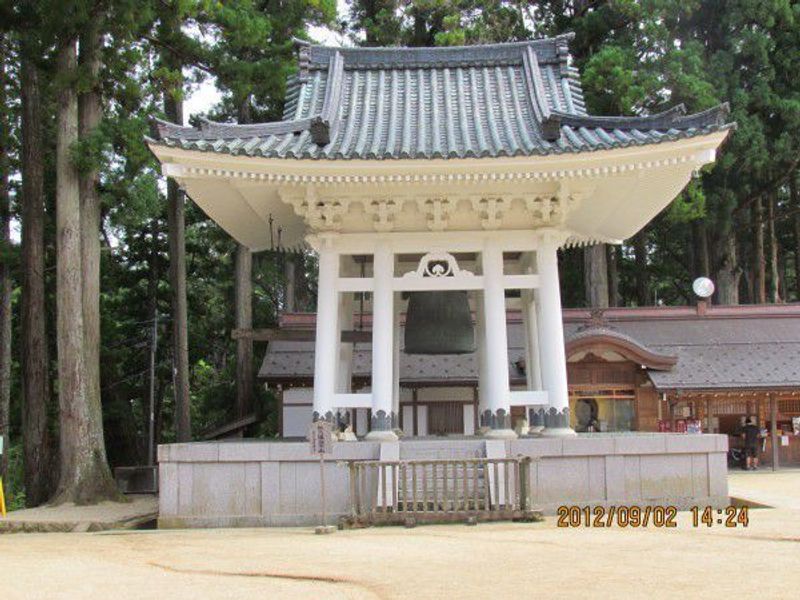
(439, 323)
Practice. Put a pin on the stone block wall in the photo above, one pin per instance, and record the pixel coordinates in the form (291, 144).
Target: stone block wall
(273, 483)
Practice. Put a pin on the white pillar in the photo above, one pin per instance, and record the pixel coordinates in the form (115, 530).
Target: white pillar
(326, 348)
(383, 417)
(344, 371)
(533, 374)
(480, 355)
(552, 356)
(497, 415)
(398, 304)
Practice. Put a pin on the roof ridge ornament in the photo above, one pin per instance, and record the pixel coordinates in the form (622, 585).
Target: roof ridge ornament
(320, 131)
(597, 320)
(303, 48)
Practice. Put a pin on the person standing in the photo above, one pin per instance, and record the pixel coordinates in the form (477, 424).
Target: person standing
(751, 434)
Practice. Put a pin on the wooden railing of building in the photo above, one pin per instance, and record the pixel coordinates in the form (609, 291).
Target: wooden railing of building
(438, 491)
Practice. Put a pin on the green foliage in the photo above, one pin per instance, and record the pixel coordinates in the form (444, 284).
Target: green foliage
(13, 486)
(636, 56)
(643, 56)
(689, 205)
(613, 83)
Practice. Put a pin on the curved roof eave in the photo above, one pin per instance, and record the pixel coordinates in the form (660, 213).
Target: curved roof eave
(603, 339)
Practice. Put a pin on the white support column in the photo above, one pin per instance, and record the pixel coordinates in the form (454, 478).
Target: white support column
(398, 308)
(533, 374)
(383, 417)
(497, 392)
(480, 355)
(326, 348)
(552, 356)
(344, 375)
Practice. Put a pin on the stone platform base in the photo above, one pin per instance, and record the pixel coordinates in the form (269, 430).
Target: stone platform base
(256, 483)
(139, 511)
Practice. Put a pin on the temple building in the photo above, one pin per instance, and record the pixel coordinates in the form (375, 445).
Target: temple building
(436, 186)
(446, 178)
(669, 369)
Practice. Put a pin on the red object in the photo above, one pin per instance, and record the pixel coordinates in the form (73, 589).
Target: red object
(664, 425)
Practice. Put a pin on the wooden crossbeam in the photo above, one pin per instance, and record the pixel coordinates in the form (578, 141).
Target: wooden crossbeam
(295, 335)
(230, 428)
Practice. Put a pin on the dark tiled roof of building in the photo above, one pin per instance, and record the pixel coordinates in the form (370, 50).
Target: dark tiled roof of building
(731, 348)
(732, 351)
(516, 99)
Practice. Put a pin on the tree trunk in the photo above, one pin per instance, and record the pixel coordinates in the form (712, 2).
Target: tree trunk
(759, 260)
(290, 300)
(5, 278)
(152, 412)
(176, 223)
(244, 320)
(796, 208)
(170, 30)
(595, 276)
(729, 273)
(90, 113)
(38, 447)
(774, 267)
(243, 288)
(640, 258)
(85, 477)
(702, 264)
(614, 255)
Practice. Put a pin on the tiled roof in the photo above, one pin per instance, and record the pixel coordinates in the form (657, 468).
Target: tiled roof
(514, 99)
(728, 352)
(723, 353)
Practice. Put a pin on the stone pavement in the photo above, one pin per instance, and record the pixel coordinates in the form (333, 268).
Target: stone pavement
(777, 489)
(69, 517)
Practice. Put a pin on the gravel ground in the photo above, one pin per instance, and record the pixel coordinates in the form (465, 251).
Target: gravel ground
(505, 560)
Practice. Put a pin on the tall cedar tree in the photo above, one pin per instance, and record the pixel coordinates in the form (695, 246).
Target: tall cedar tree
(84, 475)
(40, 467)
(5, 264)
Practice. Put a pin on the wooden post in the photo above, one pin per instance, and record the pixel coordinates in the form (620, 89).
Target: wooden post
(524, 492)
(773, 410)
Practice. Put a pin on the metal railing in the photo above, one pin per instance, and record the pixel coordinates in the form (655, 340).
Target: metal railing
(439, 490)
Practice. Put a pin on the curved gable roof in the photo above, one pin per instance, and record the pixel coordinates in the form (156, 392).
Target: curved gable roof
(515, 99)
(602, 339)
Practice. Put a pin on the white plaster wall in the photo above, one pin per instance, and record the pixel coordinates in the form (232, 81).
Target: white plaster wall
(298, 396)
(296, 420)
(469, 420)
(422, 420)
(408, 420)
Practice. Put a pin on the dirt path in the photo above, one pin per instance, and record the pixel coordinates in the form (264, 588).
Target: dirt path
(779, 489)
(489, 561)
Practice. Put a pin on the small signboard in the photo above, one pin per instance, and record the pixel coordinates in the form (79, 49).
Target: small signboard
(320, 437)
